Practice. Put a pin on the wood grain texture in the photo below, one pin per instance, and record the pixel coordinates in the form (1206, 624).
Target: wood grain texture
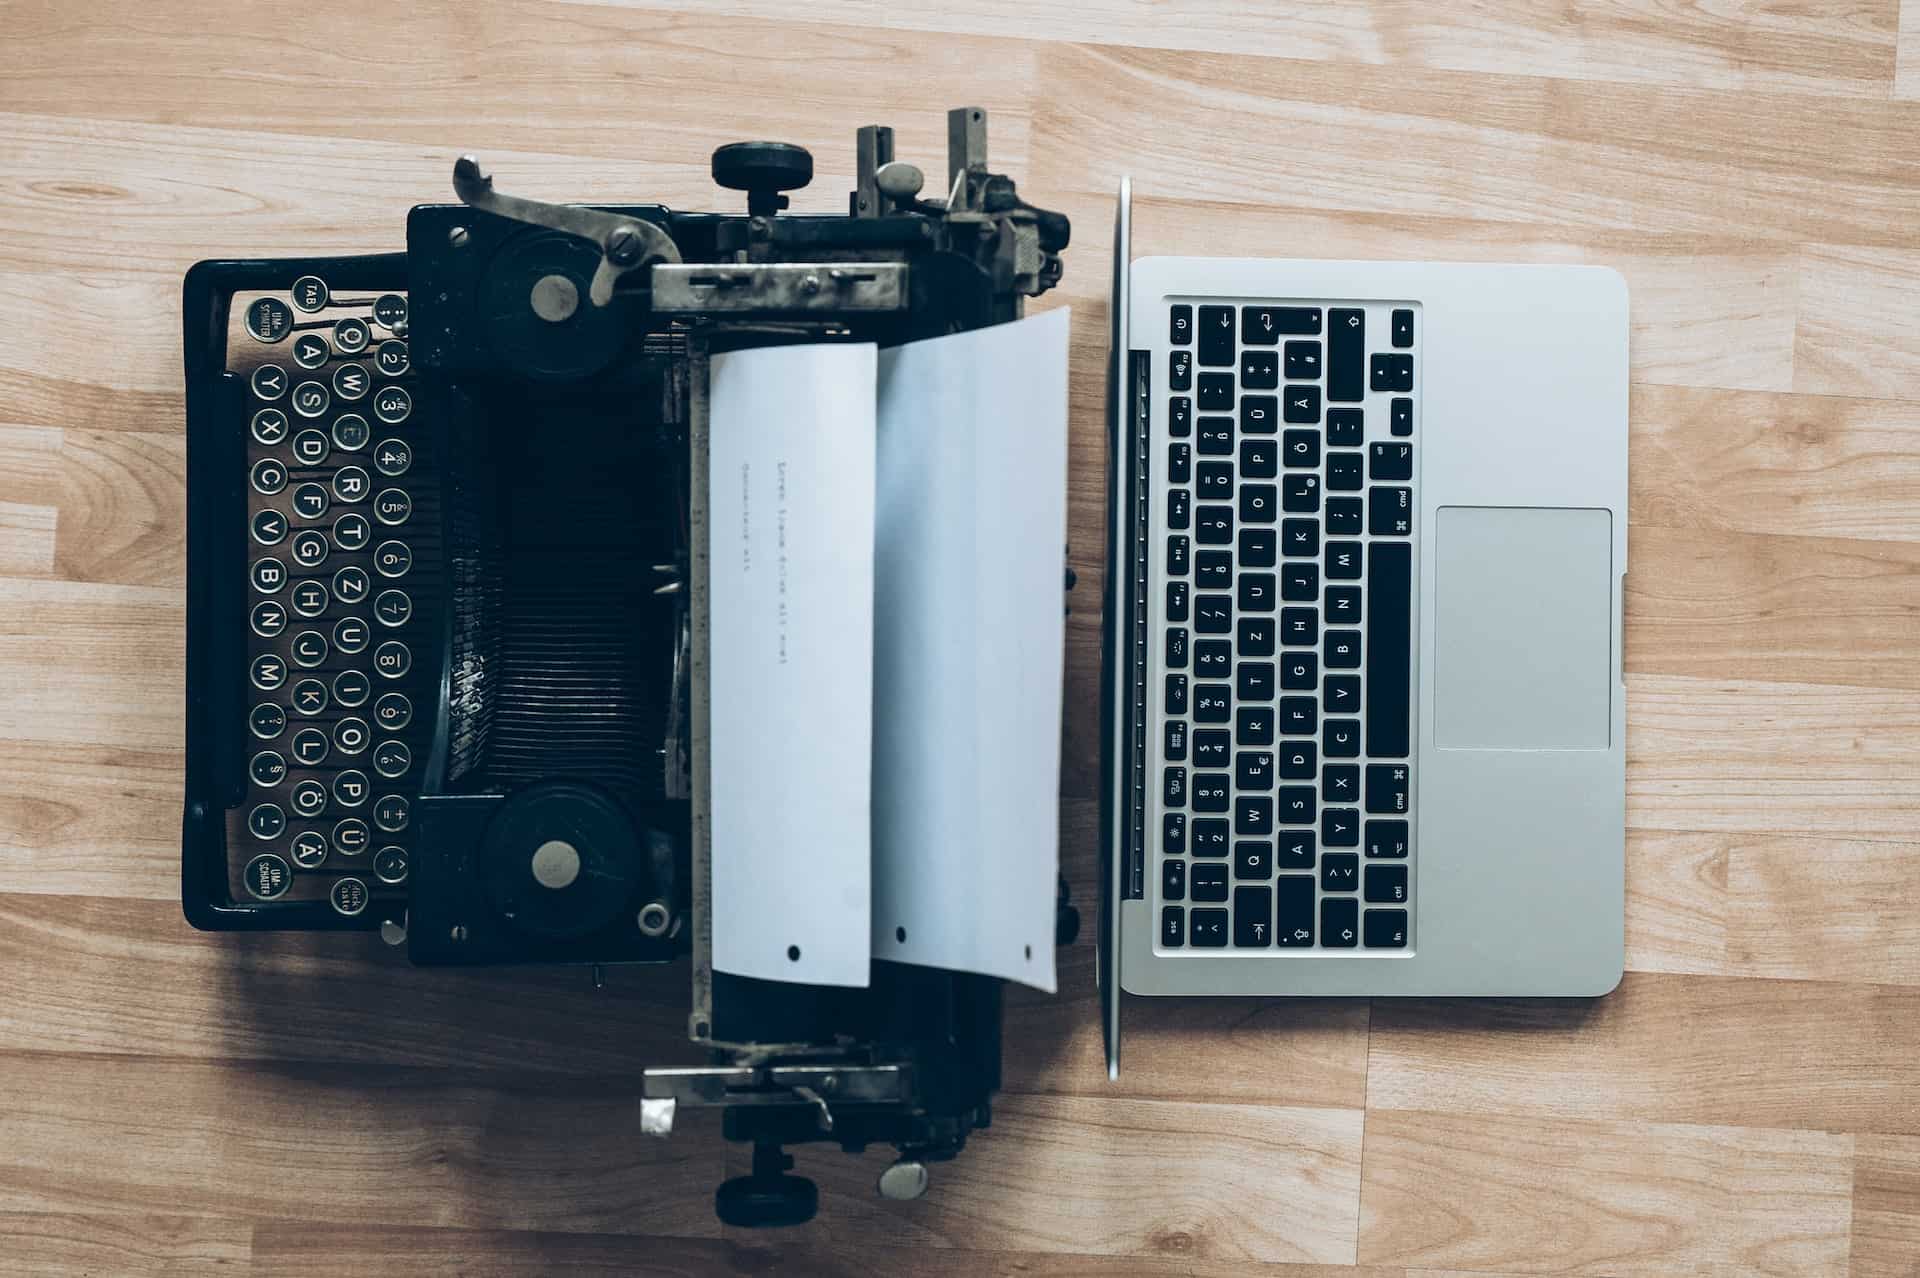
(1747, 1103)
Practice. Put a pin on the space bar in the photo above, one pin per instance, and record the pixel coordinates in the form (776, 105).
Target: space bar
(1389, 625)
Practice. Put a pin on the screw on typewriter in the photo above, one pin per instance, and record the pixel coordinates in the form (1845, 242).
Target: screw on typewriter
(558, 321)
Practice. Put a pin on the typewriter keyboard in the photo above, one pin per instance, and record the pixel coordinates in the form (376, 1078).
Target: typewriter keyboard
(1284, 519)
(343, 539)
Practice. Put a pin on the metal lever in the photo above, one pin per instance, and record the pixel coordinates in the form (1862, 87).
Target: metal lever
(625, 243)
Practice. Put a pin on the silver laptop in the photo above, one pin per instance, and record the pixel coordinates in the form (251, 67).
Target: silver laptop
(1365, 716)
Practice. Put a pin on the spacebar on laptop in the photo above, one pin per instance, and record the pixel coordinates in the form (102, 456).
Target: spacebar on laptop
(1389, 626)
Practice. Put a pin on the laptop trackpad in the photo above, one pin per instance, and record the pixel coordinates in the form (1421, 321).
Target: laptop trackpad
(1523, 629)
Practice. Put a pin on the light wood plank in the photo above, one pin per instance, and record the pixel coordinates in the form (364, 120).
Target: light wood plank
(1906, 81)
(1670, 1049)
(1819, 909)
(1676, 902)
(1825, 47)
(55, 1245)
(1617, 1198)
(83, 820)
(123, 506)
(91, 664)
(1886, 1207)
(1859, 331)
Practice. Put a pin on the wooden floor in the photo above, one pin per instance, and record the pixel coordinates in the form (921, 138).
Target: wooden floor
(1747, 1103)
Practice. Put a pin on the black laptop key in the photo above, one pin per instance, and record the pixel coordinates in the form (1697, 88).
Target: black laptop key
(1180, 370)
(1300, 671)
(1345, 472)
(1180, 463)
(1176, 647)
(1173, 879)
(1177, 600)
(1174, 747)
(1178, 549)
(1401, 422)
(1293, 911)
(1389, 511)
(1403, 328)
(1207, 929)
(1253, 814)
(1216, 336)
(1253, 770)
(1216, 437)
(1343, 605)
(1295, 849)
(1343, 517)
(1180, 326)
(1253, 725)
(1212, 703)
(1256, 637)
(1257, 547)
(1339, 827)
(1257, 591)
(1387, 788)
(1386, 839)
(1339, 923)
(1259, 370)
(1208, 881)
(1173, 788)
(1341, 693)
(1386, 929)
(1179, 416)
(1210, 792)
(1176, 699)
(1210, 836)
(1252, 917)
(1173, 927)
(1257, 502)
(1266, 325)
(1301, 449)
(1297, 761)
(1390, 462)
(1300, 494)
(1253, 859)
(1389, 630)
(1179, 508)
(1300, 405)
(1392, 373)
(1299, 581)
(1299, 716)
(1299, 627)
(1303, 361)
(1346, 355)
(1256, 680)
(1300, 537)
(1211, 747)
(1295, 805)
(1259, 414)
(1213, 658)
(1386, 885)
(1341, 650)
(1340, 783)
(1340, 872)
(1259, 459)
(1173, 833)
(1343, 560)
(1216, 392)
(1346, 427)
(1213, 569)
(1213, 525)
(1341, 738)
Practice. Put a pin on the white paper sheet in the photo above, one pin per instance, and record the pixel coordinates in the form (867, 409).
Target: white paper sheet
(969, 649)
(791, 518)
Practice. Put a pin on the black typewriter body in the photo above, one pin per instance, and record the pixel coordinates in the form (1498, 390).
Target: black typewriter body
(444, 640)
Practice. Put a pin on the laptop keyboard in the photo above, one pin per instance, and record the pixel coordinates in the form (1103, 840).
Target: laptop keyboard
(1285, 603)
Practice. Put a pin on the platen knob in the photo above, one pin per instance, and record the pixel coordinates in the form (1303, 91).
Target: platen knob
(763, 170)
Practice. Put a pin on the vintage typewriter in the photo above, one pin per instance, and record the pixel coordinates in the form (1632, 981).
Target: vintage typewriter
(446, 625)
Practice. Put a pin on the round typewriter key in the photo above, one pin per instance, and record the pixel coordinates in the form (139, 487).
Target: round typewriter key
(267, 876)
(309, 598)
(351, 688)
(309, 697)
(269, 476)
(309, 648)
(389, 310)
(310, 447)
(392, 659)
(351, 531)
(310, 350)
(309, 798)
(350, 381)
(310, 501)
(269, 426)
(393, 711)
(309, 746)
(351, 432)
(392, 759)
(269, 526)
(393, 457)
(267, 720)
(350, 335)
(350, 584)
(269, 575)
(350, 635)
(309, 293)
(392, 404)
(266, 821)
(267, 672)
(349, 895)
(390, 813)
(309, 848)
(310, 549)
(269, 381)
(310, 399)
(350, 836)
(268, 618)
(350, 788)
(393, 608)
(350, 735)
(268, 320)
(392, 358)
(392, 558)
(350, 483)
(392, 506)
(267, 768)
(390, 864)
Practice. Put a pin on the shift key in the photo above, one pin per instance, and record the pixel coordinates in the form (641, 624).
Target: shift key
(1346, 356)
